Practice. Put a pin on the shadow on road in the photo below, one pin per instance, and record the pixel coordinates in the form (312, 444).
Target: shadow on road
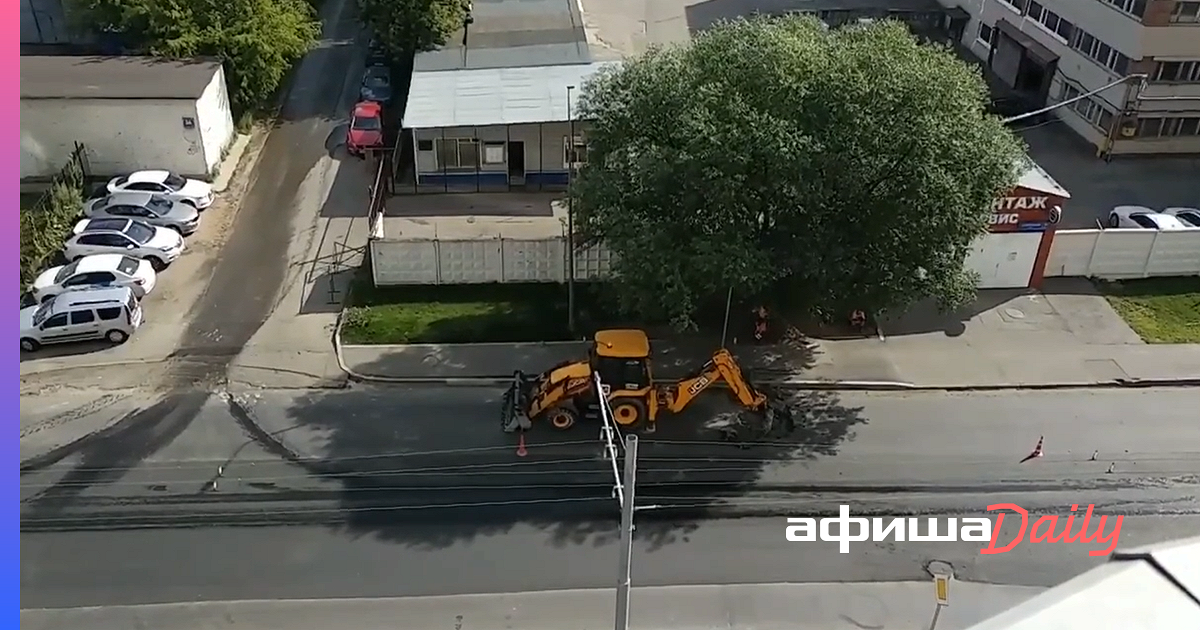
(443, 461)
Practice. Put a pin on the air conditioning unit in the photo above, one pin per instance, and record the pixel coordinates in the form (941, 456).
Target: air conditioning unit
(1128, 130)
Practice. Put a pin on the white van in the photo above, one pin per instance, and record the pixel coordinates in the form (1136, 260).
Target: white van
(113, 314)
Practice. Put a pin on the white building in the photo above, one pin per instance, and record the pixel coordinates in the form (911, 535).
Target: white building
(130, 113)
(496, 128)
(1060, 49)
(493, 109)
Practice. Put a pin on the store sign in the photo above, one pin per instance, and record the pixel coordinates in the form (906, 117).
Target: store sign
(1005, 204)
(1023, 213)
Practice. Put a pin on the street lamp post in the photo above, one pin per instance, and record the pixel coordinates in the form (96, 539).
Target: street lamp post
(570, 215)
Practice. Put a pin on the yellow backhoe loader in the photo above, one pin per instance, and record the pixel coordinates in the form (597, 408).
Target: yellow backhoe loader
(621, 358)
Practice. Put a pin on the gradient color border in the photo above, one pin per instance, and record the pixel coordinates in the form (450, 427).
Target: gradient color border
(12, 124)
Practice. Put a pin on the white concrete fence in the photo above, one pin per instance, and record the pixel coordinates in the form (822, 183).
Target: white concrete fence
(1108, 254)
(1121, 254)
(445, 261)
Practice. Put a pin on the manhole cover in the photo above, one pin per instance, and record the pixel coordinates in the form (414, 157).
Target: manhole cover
(1014, 313)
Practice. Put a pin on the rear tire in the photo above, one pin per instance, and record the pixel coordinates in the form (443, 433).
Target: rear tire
(29, 345)
(1114, 221)
(628, 412)
(116, 337)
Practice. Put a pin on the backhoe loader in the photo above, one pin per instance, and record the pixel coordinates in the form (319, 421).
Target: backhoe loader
(621, 358)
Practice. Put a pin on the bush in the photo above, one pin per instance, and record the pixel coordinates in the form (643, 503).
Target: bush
(46, 226)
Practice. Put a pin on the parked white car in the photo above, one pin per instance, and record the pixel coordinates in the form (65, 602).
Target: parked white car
(149, 208)
(1190, 217)
(113, 314)
(93, 272)
(1142, 217)
(166, 183)
(160, 246)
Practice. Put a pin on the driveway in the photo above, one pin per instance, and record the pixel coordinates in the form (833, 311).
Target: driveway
(215, 298)
(1096, 186)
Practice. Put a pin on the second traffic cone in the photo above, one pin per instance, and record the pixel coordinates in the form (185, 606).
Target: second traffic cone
(1037, 451)
(521, 450)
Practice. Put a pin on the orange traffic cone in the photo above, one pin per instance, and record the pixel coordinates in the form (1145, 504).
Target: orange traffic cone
(1037, 451)
(521, 450)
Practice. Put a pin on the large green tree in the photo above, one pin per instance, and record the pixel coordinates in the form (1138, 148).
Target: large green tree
(850, 168)
(258, 40)
(405, 27)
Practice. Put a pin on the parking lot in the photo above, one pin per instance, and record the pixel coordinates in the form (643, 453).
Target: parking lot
(1096, 187)
(167, 308)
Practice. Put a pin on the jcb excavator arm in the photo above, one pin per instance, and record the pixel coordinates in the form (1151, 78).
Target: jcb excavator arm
(721, 366)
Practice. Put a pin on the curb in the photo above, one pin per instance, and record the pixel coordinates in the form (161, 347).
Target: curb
(812, 384)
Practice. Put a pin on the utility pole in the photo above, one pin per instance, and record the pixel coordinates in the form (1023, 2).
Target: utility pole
(570, 215)
(631, 448)
(725, 326)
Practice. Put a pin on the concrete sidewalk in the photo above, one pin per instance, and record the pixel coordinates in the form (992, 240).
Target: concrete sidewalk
(1068, 336)
(736, 607)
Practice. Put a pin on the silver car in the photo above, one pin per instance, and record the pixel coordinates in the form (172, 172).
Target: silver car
(146, 207)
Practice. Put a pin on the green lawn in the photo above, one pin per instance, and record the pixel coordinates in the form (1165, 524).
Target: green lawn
(1160, 310)
(468, 313)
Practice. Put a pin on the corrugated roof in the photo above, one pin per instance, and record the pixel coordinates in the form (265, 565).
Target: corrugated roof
(510, 33)
(1035, 178)
(91, 77)
(494, 96)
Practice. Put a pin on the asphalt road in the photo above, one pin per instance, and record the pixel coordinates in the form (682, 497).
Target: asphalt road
(246, 281)
(199, 465)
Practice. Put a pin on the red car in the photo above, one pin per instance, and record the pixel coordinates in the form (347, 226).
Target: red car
(366, 128)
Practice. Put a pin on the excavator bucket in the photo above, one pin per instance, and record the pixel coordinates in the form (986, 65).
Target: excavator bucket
(515, 402)
(776, 413)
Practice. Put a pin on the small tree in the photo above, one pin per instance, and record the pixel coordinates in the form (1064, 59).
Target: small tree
(406, 27)
(851, 168)
(258, 40)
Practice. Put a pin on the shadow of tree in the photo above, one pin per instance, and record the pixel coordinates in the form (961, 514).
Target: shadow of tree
(430, 467)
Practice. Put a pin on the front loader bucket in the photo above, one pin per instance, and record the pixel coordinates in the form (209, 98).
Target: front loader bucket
(514, 404)
(775, 413)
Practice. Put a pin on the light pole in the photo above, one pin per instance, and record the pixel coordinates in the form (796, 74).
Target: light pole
(570, 215)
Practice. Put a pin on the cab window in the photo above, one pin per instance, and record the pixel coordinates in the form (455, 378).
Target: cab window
(58, 321)
(82, 317)
(109, 314)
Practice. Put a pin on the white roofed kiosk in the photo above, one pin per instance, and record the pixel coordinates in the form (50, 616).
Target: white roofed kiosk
(1014, 252)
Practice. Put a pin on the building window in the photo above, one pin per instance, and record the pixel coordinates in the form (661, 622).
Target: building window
(574, 156)
(457, 153)
(1015, 5)
(986, 34)
(1099, 52)
(1177, 72)
(1136, 8)
(1089, 109)
(1168, 127)
(1051, 21)
(1186, 13)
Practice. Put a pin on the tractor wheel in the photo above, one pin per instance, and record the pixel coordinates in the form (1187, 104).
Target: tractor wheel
(562, 418)
(628, 412)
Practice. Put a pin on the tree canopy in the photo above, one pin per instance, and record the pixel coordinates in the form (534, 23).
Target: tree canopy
(257, 40)
(850, 168)
(405, 27)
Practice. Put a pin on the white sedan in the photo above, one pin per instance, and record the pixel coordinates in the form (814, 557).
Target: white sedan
(167, 184)
(90, 272)
(1142, 217)
(1187, 216)
(160, 246)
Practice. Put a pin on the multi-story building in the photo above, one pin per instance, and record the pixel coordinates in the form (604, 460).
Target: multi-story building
(1057, 50)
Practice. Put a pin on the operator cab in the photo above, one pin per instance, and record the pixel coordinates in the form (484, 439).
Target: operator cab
(621, 358)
